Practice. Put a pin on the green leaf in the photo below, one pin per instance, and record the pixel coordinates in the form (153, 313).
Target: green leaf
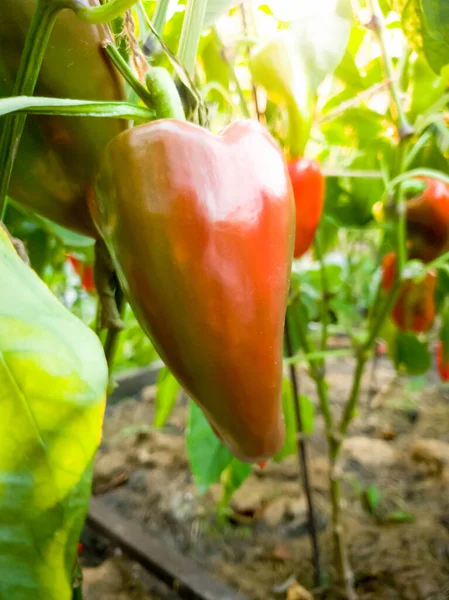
(73, 108)
(321, 33)
(288, 409)
(53, 379)
(399, 516)
(217, 8)
(416, 28)
(444, 331)
(436, 19)
(67, 237)
(166, 394)
(207, 456)
(410, 354)
(232, 478)
(372, 498)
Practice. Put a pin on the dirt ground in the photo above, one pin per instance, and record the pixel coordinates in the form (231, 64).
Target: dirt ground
(399, 443)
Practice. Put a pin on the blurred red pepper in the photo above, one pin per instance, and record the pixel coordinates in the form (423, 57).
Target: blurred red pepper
(442, 364)
(414, 309)
(428, 221)
(388, 271)
(308, 190)
(201, 231)
(85, 272)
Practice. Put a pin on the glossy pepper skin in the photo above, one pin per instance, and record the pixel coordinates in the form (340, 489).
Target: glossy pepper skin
(201, 230)
(414, 309)
(308, 190)
(428, 221)
(58, 156)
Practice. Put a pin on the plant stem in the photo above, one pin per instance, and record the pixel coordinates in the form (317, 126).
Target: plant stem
(303, 463)
(232, 74)
(248, 53)
(341, 559)
(324, 293)
(36, 42)
(317, 374)
(160, 15)
(362, 357)
(191, 32)
(112, 336)
(100, 14)
(128, 75)
(377, 23)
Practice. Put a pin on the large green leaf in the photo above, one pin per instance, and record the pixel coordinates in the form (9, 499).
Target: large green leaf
(321, 32)
(418, 24)
(207, 456)
(53, 379)
(436, 19)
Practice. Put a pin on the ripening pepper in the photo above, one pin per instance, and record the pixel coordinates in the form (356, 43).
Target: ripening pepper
(58, 156)
(201, 230)
(442, 362)
(308, 190)
(414, 309)
(428, 221)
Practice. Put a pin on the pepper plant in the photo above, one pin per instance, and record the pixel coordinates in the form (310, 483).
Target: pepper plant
(204, 257)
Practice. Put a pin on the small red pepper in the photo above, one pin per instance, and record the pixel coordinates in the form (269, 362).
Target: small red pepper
(308, 190)
(201, 232)
(428, 221)
(85, 273)
(414, 309)
(388, 271)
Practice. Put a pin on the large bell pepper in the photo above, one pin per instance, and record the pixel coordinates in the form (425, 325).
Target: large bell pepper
(308, 189)
(201, 230)
(428, 221)
(58, 156)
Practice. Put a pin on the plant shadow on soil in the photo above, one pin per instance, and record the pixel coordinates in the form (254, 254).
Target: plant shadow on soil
(398, 445)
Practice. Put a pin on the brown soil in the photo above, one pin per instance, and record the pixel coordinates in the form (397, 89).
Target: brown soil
(399, 443)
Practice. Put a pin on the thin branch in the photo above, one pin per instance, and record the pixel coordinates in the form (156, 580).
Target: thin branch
(358, 99)
(248, 54)
(303, 462)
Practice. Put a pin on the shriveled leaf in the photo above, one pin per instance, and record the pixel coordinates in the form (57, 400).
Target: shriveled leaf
(53, 379)
(207, 456)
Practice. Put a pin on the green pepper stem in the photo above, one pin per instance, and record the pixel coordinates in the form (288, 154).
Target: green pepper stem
(191, 32)
(123, 67)
(30, 63)
(100, 14)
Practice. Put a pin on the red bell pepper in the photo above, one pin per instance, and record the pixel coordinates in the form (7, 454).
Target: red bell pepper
(201, 231)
